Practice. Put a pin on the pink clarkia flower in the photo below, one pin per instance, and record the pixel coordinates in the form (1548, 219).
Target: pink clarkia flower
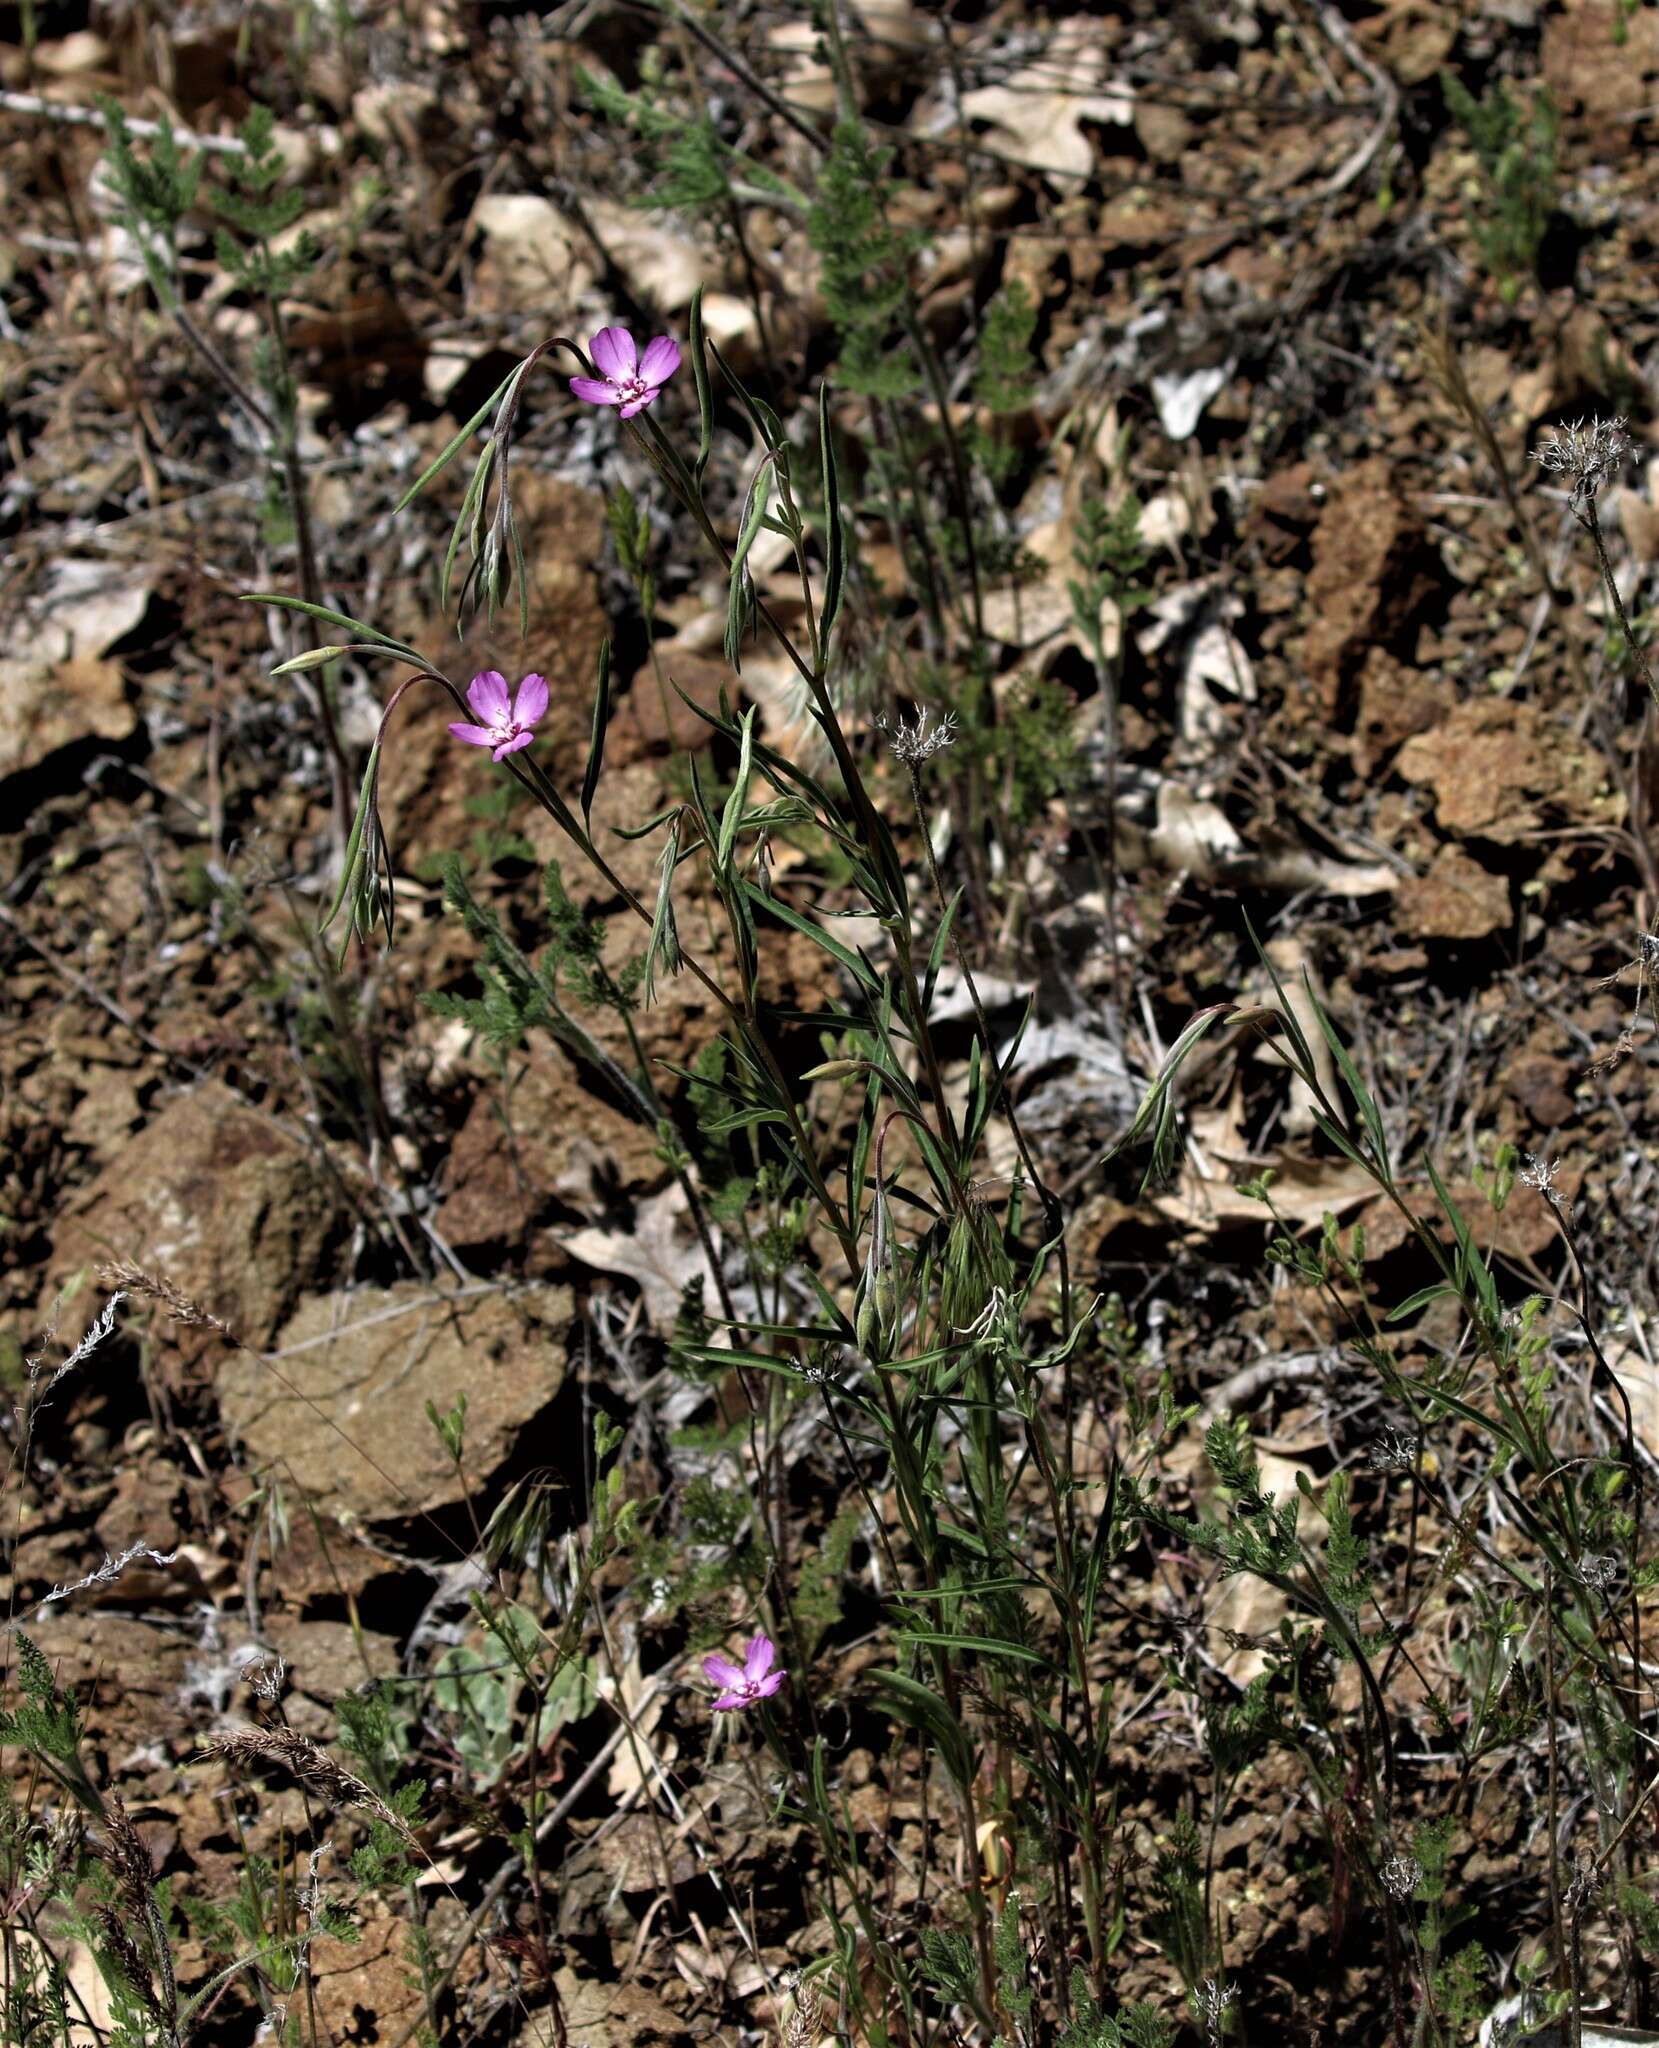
(506, 724)
(630, 380)
(748, 1683)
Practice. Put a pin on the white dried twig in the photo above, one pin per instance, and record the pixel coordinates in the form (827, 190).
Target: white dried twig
(112, 1568)
(31, 104)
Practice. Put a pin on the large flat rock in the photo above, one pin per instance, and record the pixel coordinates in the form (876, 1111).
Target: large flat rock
(340, 1405)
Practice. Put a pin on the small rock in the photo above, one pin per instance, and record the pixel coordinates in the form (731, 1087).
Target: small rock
(72, 55)
(1164, 131)
(1285, 510)
(369, 1989)
(48, 705)
(215, 1199)
(1369, 575)
(664, 266)
(533, 259)
(399, 111)
(643, 726)
(615, 2015)
(1538, 1082)
(1456, 899)
(1396, 702)
(1601, 62)
(497, 1185)
(357, 1372)
(322, 1660)
(1490, 762)
(125, 1674)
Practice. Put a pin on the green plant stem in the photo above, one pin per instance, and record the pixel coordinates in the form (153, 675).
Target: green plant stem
(281, 438)
(1590, 519)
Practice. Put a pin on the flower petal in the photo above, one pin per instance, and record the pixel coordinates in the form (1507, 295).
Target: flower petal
(487, 694)
(594, 392)
(512, 746)
(660, 360)
(759, 1658)
(767, 1686)
(474, 735)
(637, 405)
(721, 1671)
(729, 1702)
(614, 353)
(531, 701)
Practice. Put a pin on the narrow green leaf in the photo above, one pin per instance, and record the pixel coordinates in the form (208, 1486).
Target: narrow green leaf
(1370, 1115)
(331, 618)
(454, 447)
(469, 504)
(644, 831)
(1292, 1024)
(665, 938)
(522, 579)
(831, 1307)
(1420, 1299)
(1471, 1260)
(859, 968)
(922, 1708)
(936, 952)
(1016, 1581)
(1157, 1105)
(835, 541)
(705, 390)
(700, 803)
(765, 420)
(739, 598)
(1474, 1416)
(596, 738)
(739, 795)
(756, 1361)
(352, 860)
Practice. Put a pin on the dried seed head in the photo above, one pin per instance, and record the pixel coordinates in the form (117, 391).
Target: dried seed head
(263, 1675)
(990, 1318)
(920, 739)
(802, 2029)
(131, 1963)
(1598, 1571)
(1588, 452)
(1540, 1174)
(1210, 2001)
(1392, 1451)
(1585, 1886)
(313, 1767)
(825, 1365)
(134, 1280)
(1401, 1875)
(128, 1856)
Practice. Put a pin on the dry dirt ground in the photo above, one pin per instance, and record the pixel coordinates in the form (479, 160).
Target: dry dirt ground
(1374, 707)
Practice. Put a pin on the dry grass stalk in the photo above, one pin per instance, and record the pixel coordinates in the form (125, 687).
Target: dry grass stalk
(303, 1760)
(122, 1273)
